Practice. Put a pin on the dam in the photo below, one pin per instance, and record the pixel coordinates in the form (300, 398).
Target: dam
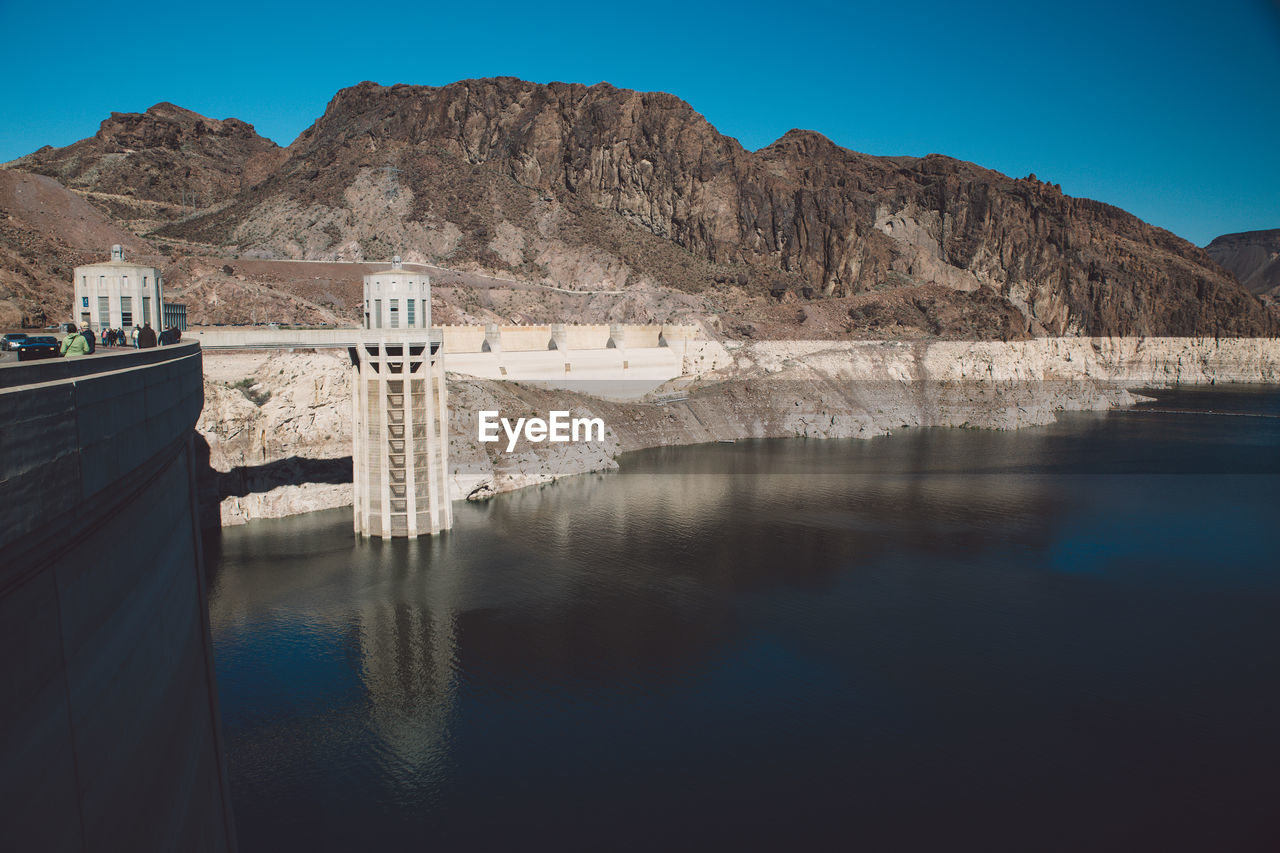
(109, 723)
(399, 395)
(554, 354)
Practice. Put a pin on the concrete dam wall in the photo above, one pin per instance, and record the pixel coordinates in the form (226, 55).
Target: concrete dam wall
(466, 339)
(618, 360)
(109, 731)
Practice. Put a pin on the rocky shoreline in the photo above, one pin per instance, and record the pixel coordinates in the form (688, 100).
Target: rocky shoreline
(278, 428)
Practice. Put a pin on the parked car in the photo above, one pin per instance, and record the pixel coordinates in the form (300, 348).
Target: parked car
(40, 346)
(11, 340)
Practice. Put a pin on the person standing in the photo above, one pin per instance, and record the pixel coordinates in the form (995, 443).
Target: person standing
(146, 337)
(74, 345)
(89, 338)
(136, 331)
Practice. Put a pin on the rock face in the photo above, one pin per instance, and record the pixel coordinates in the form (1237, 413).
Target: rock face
(45, 231)
(600, 187)
(1253, 257)
(278, 425)
(142, 167)
(278, 431)
(637, 196)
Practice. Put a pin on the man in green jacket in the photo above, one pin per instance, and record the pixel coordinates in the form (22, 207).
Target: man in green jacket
(74, 345)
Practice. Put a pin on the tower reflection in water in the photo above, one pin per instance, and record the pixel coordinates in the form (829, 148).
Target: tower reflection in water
(592, 580)
(408, 657)
(606, 649)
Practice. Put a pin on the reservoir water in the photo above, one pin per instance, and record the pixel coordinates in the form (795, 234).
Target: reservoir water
(1061, 638)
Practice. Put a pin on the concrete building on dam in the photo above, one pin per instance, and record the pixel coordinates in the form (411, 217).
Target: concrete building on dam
(400, 414)
(119, 294)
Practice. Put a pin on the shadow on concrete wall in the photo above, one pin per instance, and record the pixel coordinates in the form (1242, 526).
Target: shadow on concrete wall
(245, 480)
(210, 519)
(212, 486)
(294, 471)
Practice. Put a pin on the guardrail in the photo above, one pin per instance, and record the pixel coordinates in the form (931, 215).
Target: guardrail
(13, 374)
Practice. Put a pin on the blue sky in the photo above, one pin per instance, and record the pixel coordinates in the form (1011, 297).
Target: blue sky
(1170, 110)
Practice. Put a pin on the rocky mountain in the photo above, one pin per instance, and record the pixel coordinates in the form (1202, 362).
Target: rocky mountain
(153, 167)
(636, 196)
(596, 186)
(45, 231)
(1253, 257)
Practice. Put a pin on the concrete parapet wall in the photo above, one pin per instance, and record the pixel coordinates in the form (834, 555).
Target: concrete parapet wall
(592, 336)
(587, 337)
(525, 338)
(671, 333)
(265, 338)
(249, 338)
(108, 718)
(636, 337)
(462, 339)
(615, 373)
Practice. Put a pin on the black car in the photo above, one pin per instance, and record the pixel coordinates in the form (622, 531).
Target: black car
(40, 346)
(11, 340)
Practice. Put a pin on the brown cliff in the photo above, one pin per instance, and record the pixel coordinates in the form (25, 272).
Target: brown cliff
(505, 175)
(607, 190)
(1253, 257)
(45, 231)
(156, 166)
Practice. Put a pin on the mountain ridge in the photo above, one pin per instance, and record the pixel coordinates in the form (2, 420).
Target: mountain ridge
(599, 187)
(1253, 257)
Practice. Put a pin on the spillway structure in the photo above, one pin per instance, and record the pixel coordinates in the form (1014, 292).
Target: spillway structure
(400, 411)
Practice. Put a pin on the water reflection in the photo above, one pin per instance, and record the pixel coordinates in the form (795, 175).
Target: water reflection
(408, 650)
(916, 622)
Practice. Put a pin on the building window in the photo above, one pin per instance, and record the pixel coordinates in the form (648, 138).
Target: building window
(395, 313)
(104, 311)
(377, 313)
(146, 309)
(126, 311)
(408, 317)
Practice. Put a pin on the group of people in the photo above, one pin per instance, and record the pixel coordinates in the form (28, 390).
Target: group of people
(112, 337)
(81, 341)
